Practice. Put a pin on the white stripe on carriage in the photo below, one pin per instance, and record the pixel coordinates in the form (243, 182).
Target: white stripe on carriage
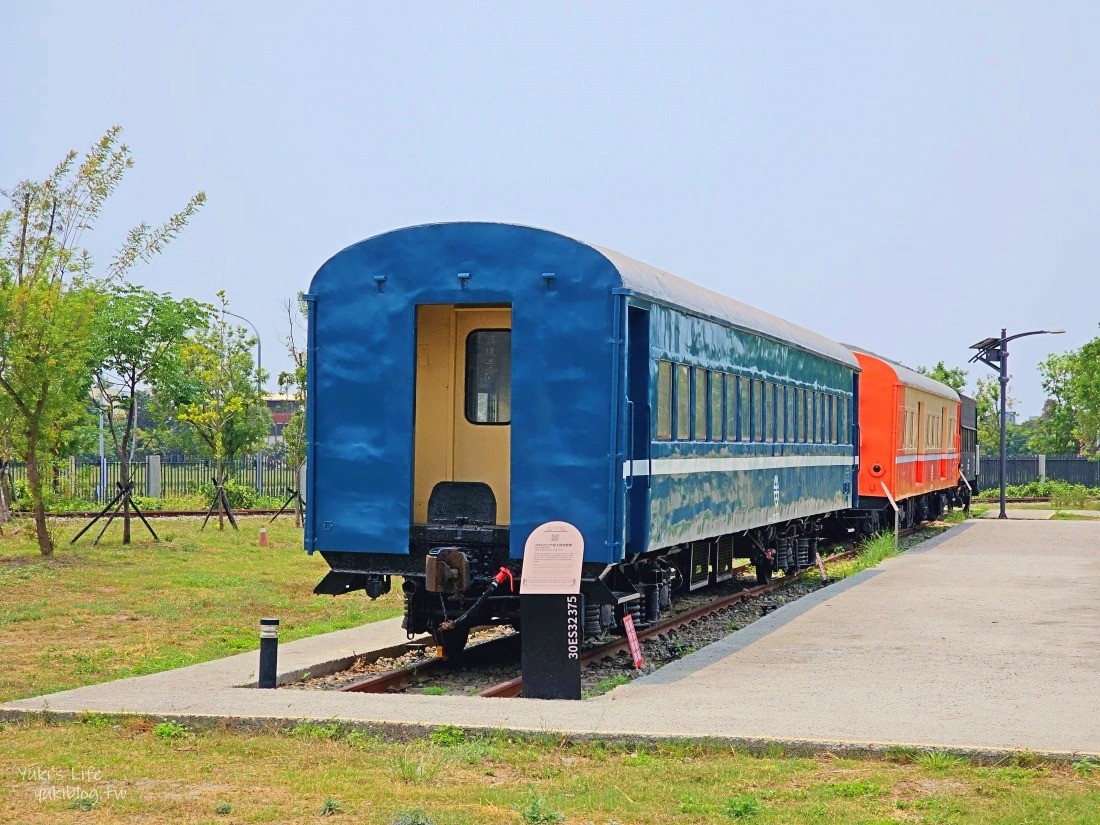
(908, 459)
(685, 466)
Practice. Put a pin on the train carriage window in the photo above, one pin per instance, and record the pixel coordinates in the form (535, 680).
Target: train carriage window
(801, 423)
(792, 396)
(683, 403)
(731, 408)
(699, 382)
(489, 376)
(664, 401)
(716, 393)
(757, 410)
(770, 411)
(780, 413)
(823, 417)
(845, 434)
(745, 409)
(833, 430)
(800, 415)
(815, 417)
(809, 417)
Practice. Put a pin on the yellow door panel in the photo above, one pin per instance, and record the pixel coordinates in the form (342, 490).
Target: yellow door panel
(448, 446)
(434, 430)
(482, 451)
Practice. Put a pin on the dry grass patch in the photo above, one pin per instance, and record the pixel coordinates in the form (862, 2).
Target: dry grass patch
(321, 770)
(91, 614)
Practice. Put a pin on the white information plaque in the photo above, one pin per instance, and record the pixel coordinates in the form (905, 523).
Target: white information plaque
(552, 560)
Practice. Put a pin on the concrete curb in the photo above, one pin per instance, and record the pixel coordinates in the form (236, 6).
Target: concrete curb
(412, 731)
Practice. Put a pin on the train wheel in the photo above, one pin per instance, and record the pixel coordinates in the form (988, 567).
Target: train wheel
(453, 643)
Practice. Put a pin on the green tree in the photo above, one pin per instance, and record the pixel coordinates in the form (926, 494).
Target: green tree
(955, 377)
(217, 391)
(1071, 417)
(1056, 431)
(1085, 396)
(987, 399)
(140, 337)
(49, 297)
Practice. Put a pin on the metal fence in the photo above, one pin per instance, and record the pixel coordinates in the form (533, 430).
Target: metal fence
(156, 477)
(1021, 469)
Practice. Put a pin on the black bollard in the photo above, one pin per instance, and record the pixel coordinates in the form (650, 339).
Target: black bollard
(269, 652)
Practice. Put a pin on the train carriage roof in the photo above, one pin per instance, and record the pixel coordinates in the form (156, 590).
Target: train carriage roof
(911, 377)
(656, 283)
(632, 275)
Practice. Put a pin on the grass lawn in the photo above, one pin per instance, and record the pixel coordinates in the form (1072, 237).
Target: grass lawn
(91, 614)
(137, 769)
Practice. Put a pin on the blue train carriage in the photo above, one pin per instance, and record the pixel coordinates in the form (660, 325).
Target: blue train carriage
(469, 382)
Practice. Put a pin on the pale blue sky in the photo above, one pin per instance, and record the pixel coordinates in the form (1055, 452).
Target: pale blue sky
(875, 171)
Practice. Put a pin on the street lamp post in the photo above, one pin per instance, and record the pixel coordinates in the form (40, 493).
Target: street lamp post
(259, 388)
(994, 353)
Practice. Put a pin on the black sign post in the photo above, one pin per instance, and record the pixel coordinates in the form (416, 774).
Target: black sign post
(550, 644)
(551, 613)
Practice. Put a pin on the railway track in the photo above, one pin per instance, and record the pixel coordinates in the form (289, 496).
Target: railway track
(514, 687)
(394, 681)
(507, 648)
(504, 647)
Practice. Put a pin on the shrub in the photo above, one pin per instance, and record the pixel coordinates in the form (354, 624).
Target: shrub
(241, 496)
(743, 806)
(413, 768)
(447, 735)
(1061, 493)
(940, 760)
(170, 731)
(331, 806)
(539, 812)
(1085, 767)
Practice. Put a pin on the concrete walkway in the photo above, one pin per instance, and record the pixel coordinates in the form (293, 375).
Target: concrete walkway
(984, 639)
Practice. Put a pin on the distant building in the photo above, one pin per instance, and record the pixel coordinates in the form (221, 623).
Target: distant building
(282, 407)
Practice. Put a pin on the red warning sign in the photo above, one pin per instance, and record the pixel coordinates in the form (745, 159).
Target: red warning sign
(632, 640)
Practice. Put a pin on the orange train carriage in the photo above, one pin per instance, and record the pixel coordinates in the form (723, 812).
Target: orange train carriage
(909, 443)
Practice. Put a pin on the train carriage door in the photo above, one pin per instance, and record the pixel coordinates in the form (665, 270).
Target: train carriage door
(638, 435)
(463, 402)
(922, 436)
(944, 423)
